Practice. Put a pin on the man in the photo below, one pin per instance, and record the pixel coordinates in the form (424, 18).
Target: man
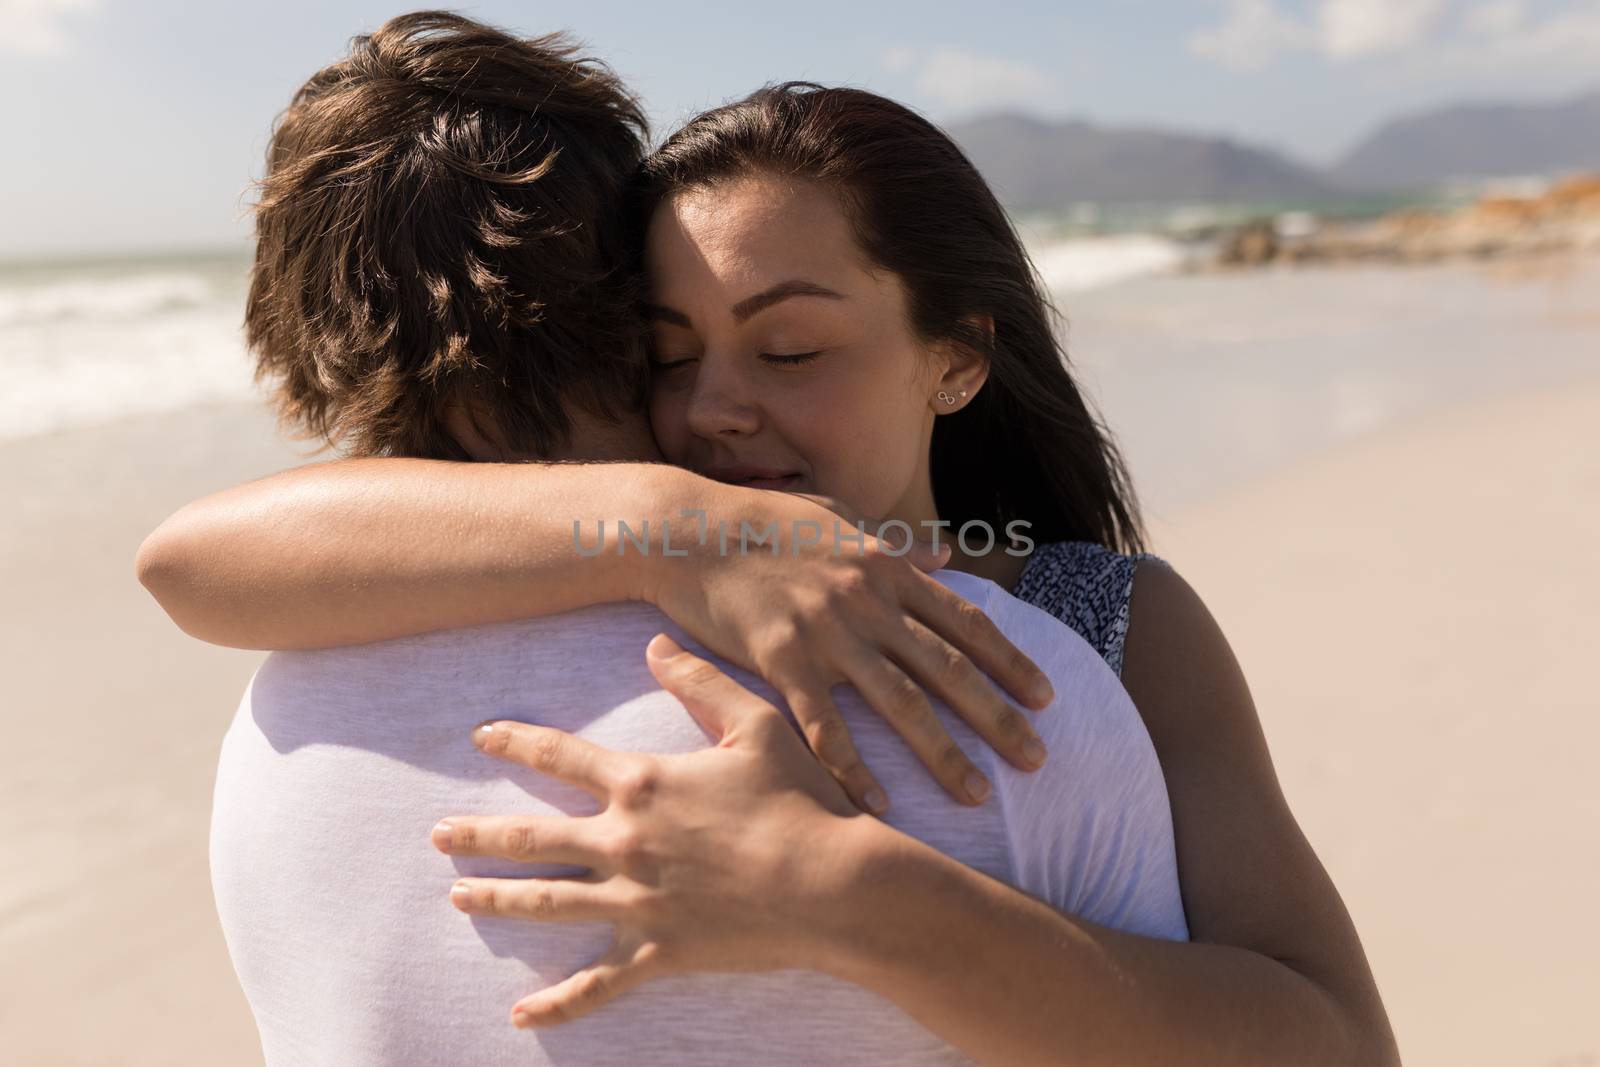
(438, 274)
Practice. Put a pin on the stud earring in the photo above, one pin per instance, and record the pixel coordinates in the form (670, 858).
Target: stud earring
(946, 397)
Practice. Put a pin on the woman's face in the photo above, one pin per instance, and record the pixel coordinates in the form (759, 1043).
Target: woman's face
(782, 358)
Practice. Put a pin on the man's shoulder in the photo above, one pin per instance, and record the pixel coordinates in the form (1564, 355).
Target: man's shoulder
(485, 635)
(1033, 630)
(597, 632)
(1092, 714)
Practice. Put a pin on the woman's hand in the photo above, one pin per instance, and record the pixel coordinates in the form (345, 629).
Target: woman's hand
(730, 858)
(820, 609)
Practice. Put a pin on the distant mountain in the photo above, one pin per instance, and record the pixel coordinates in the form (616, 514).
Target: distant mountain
(1477, 140)
(1039, 164)
(1036, 164)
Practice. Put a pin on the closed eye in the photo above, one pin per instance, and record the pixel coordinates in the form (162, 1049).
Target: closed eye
(665, 365)
(793, 360)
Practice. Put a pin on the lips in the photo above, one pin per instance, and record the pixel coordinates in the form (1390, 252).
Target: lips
(755, 477)
(788, 481)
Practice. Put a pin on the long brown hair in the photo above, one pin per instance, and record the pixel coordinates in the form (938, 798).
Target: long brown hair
(440, 226)
(1027, 447)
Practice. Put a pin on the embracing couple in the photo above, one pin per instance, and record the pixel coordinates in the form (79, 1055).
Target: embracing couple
(812, 798)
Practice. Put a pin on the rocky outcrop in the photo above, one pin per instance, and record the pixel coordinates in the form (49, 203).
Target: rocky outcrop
(1565, 217)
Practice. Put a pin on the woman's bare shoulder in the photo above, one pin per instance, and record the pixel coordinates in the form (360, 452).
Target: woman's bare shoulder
(1180, 669)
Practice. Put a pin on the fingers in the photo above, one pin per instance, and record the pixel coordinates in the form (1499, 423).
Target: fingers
(927, 557)
(523, 838)
(965, 626)
(721, 705)
(552, 900)
(892, 694)
(621, 969)
(828, 734)
(717, 702)
(930, 659)
(553, 752)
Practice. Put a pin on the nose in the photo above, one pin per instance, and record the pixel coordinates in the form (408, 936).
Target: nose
(720, 404)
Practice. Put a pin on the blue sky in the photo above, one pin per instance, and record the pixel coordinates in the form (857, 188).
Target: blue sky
(139, 125)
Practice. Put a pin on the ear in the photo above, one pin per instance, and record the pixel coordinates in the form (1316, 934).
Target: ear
(465, 422)
(966, 368)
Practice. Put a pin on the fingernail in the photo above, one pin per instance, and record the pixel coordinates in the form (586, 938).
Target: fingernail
(521, 1020)
(1043, 692)
(662, 647)
(977, 786)
(458, 893)
(441, 835)
(877, 801)
(481, 732)
(1035, 751)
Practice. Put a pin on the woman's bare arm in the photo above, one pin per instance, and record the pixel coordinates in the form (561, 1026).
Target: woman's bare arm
(364, 550)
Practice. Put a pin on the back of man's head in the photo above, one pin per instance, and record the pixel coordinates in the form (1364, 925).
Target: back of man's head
(438, 230)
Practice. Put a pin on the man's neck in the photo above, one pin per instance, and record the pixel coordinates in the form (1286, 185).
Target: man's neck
(592, 440)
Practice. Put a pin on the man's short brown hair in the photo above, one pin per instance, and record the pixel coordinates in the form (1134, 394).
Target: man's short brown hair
(439, 227)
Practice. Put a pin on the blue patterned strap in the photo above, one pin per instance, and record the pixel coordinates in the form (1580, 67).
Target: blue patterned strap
(1086, 586)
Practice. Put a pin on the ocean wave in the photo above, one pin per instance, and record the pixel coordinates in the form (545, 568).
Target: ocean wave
(124, 297)
(71, 372)
(1076, 264)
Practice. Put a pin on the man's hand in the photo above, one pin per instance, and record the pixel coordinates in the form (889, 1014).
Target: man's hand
(725, 859)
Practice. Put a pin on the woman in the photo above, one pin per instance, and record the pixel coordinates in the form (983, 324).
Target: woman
(841, 307)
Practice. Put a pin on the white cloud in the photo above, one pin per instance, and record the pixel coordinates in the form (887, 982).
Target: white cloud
(1488, 36)
(1503, 39)
(35, 27)
(1566, 39)
(1253, 34)
(957, 78)
(899, 59)
(1353, 28)
(1494, 19)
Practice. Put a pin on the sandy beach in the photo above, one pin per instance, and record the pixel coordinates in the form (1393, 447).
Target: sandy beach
(1416, 615)
(1387, 486)
(111, 949)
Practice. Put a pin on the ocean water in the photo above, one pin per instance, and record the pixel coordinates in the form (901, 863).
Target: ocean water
(89, 341)
(1079, 264)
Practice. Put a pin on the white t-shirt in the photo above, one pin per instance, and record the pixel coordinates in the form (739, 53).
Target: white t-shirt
(335, 904)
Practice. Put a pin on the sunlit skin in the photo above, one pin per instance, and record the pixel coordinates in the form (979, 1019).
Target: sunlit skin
(784, 359)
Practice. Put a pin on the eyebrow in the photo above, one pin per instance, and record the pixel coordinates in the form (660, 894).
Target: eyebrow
(750, 306)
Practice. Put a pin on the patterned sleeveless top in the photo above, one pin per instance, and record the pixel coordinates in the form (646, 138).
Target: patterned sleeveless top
(1087, 587)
